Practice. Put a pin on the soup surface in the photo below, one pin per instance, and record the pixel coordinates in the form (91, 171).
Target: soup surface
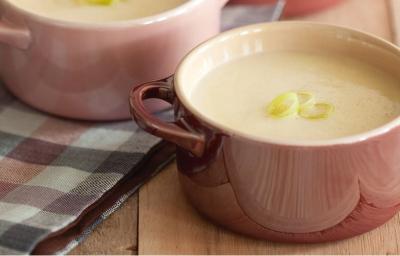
(79, 10)
(237, 94)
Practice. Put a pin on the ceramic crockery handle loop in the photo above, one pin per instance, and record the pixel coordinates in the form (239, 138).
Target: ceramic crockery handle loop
(13, 36)
(190, 141)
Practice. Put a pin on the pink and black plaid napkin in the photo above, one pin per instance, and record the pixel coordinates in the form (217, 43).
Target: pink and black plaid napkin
(60, 178)
(55, 172)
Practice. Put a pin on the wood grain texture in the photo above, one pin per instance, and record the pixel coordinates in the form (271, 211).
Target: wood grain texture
(116, 235)
(394, 8)
(169, 225)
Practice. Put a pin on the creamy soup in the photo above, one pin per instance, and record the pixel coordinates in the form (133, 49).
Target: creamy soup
(237, 95)
(79, 10)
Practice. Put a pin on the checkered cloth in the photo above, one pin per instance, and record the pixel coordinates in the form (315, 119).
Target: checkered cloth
(53, 171)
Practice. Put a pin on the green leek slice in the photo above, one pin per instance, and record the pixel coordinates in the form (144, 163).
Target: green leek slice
(284, 105)
(316, 111)
(101, 2)
(306, 99)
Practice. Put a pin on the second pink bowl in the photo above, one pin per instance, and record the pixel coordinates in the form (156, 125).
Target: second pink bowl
(84, 71)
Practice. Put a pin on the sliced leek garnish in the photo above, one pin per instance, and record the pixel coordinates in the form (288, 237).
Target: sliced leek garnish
(306, 99)
(99, 2)
(317, 111)
(284, 105)
(301, 103)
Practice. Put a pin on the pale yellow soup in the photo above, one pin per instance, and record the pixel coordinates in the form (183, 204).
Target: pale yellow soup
(237, 94)
(77, 10)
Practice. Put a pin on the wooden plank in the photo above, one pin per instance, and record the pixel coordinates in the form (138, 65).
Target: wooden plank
(169, 225)
(395, 17)
(116, 235)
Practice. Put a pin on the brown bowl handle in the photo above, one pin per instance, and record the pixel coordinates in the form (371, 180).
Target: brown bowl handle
(17, 37)
(191, 141)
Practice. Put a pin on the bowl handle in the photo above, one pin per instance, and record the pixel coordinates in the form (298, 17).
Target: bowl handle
(16, 37)
(191, 141)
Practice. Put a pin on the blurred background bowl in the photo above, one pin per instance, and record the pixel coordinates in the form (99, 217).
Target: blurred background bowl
(295, 7)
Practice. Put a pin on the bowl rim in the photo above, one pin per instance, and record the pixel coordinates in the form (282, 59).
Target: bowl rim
(148, 20)
(256, 28)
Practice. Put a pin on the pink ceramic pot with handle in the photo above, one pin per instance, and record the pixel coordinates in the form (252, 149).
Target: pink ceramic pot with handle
(280, 190)
(81, 70)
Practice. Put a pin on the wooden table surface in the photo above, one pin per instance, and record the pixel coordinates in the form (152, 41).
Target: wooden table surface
(160, 221)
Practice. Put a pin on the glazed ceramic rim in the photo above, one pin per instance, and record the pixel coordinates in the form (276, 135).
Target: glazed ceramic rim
(182, 96)
(148, 20)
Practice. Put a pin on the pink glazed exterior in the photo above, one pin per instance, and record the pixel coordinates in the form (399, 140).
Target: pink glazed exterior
(295, 7)
(85, 71)
(276, 190)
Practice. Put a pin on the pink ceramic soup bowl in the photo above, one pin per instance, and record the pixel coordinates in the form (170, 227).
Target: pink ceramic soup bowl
(280, 190)
(82, 70)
